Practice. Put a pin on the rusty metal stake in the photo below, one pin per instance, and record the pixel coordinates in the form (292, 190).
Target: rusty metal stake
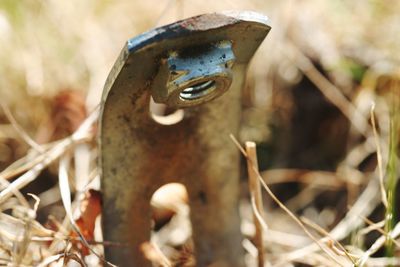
(183, 65)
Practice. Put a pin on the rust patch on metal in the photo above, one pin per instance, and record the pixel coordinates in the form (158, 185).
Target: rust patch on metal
(207, 22)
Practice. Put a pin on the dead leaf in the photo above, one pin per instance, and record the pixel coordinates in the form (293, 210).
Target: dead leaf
(90, 208)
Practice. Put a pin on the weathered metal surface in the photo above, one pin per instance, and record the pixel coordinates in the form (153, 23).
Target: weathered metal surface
(190, 64)
(195, 75)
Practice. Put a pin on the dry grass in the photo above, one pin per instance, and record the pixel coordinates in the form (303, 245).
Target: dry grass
(56, 56)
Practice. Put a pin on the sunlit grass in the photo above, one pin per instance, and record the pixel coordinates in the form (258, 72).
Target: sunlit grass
(392, 168)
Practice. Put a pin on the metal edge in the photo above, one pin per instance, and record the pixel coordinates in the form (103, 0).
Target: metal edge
(175, 29)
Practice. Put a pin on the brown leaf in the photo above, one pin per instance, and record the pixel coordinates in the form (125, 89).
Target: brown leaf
(68, 112)
(90, 209)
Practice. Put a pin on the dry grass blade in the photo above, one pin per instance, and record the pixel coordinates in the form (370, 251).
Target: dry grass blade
(250, 248)
(282, 206)
(22, 165)
(17, 233)
(323, 179)
(371, 227)
(377, 227)
(24, 238)
(384, 262)
(321, 230)
(286, 239)
(73, 256)
(256, 200)
(9, 228)
(82, 166)
(20, 182)
(364, 205)
(258, 216)
(378, 244)
(20, 130)
(16, 192)
(66, 199)
(37, 201)
(379, 157)
(20, 248)
(46, 158)
(82, 134)
(47, 261)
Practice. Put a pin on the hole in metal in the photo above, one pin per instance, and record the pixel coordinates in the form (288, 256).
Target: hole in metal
(169, 204)
(161, 114)
(198, 90)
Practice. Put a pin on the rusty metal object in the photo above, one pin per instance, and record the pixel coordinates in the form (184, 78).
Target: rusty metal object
(183, 65)
(201, 75)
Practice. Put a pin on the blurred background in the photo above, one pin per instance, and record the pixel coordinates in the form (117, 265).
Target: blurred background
(325, 67)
